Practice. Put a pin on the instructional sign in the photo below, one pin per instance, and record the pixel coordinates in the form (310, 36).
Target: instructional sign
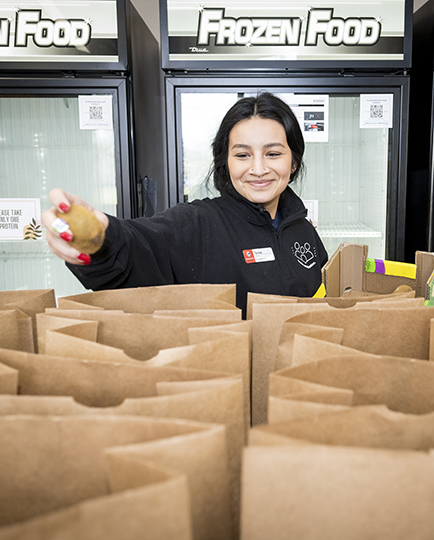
(96, 112)
(376, 110)
(312, 113)
(20, 219)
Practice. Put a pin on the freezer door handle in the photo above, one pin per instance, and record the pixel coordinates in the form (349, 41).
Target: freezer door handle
(147, 196)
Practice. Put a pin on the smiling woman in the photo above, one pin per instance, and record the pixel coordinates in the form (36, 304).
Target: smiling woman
(255, 234)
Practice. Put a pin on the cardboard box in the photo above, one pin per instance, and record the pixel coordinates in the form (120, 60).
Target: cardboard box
(350, 268)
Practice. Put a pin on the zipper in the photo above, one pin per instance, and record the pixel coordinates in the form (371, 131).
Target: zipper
(282, 259)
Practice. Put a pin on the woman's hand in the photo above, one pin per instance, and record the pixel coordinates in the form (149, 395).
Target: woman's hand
(58, 232)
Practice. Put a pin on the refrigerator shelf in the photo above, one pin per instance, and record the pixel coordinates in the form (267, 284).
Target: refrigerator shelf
(352, 229)
(25, 248)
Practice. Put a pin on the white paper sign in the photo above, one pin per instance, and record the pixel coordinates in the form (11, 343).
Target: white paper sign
(20, 219)
(96, 112)
(376, 110)
(312, 112)
(312, 211)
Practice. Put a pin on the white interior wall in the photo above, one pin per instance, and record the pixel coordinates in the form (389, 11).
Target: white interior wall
(150, 13)
(417, 4)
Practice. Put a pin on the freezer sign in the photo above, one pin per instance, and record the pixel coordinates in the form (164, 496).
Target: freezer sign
(45, 32)
(286, 31)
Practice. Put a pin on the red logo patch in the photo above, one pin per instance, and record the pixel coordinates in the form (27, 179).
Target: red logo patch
(249, 256)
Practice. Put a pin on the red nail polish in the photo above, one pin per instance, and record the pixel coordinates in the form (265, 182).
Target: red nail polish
(85, 258)
(64, 207)
(66, 236)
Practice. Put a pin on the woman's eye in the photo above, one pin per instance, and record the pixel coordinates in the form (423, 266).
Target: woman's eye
(274, 154)
(242, 155)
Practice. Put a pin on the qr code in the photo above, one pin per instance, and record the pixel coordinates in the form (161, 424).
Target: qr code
(95, 113)
(376, 111)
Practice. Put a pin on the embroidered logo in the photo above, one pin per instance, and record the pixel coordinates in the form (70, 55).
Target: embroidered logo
(304, 254)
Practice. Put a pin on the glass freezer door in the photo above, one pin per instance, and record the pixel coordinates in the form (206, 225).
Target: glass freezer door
(43, 146)
(347, 173)
(347, 177)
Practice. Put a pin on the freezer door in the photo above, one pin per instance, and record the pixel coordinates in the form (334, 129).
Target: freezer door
(347, 170)
(350, 185)
(44, 145)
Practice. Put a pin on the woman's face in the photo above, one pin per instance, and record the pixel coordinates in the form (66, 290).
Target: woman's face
(260, 161)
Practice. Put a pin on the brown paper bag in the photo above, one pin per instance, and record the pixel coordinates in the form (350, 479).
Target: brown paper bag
(364, 472)
(218, 401)
(225, 314)
(373, 426)
(139, 336)
(340, 302)
(60, 342)
(267, 324)
(395, 332)
(258, 298)
(203, 462)
(92, 383)
(147, 299)
(289, 408)
(288, 401)
(307, 349)
(402, 384)
(9, 334)
(268, 319)
(229, 354)
(61, 460)
(347, 299)
(283, 386)
(198, 335)
(291, 331)
(16, 330)
(27, 304)
(8, 380)
(84, 329)
(304, 347)
(226, 353)
(155, 499)
(107, 384)
(390, 303)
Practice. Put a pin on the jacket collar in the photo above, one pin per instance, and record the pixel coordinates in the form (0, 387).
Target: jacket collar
(290, 206)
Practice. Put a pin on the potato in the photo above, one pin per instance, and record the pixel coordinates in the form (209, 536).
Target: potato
(85, 226)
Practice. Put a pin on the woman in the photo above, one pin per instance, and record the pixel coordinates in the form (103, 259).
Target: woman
(255, 234)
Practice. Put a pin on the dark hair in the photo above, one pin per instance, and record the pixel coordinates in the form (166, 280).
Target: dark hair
(265, 105)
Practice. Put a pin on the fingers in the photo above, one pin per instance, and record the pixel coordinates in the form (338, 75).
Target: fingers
(62, 200)
(62, 249)
(58, 232)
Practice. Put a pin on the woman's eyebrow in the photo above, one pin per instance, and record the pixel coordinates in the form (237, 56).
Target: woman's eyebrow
(240, 145)
(268, 145)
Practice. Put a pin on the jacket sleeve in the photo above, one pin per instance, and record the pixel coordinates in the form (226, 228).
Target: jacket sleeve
(162, 250)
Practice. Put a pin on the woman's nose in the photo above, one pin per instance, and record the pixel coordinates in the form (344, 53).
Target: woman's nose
(258, 167)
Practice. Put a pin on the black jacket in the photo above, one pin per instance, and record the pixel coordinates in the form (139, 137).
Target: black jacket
(212, 241)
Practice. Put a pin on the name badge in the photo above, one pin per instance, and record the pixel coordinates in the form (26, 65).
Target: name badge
(258, 255)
